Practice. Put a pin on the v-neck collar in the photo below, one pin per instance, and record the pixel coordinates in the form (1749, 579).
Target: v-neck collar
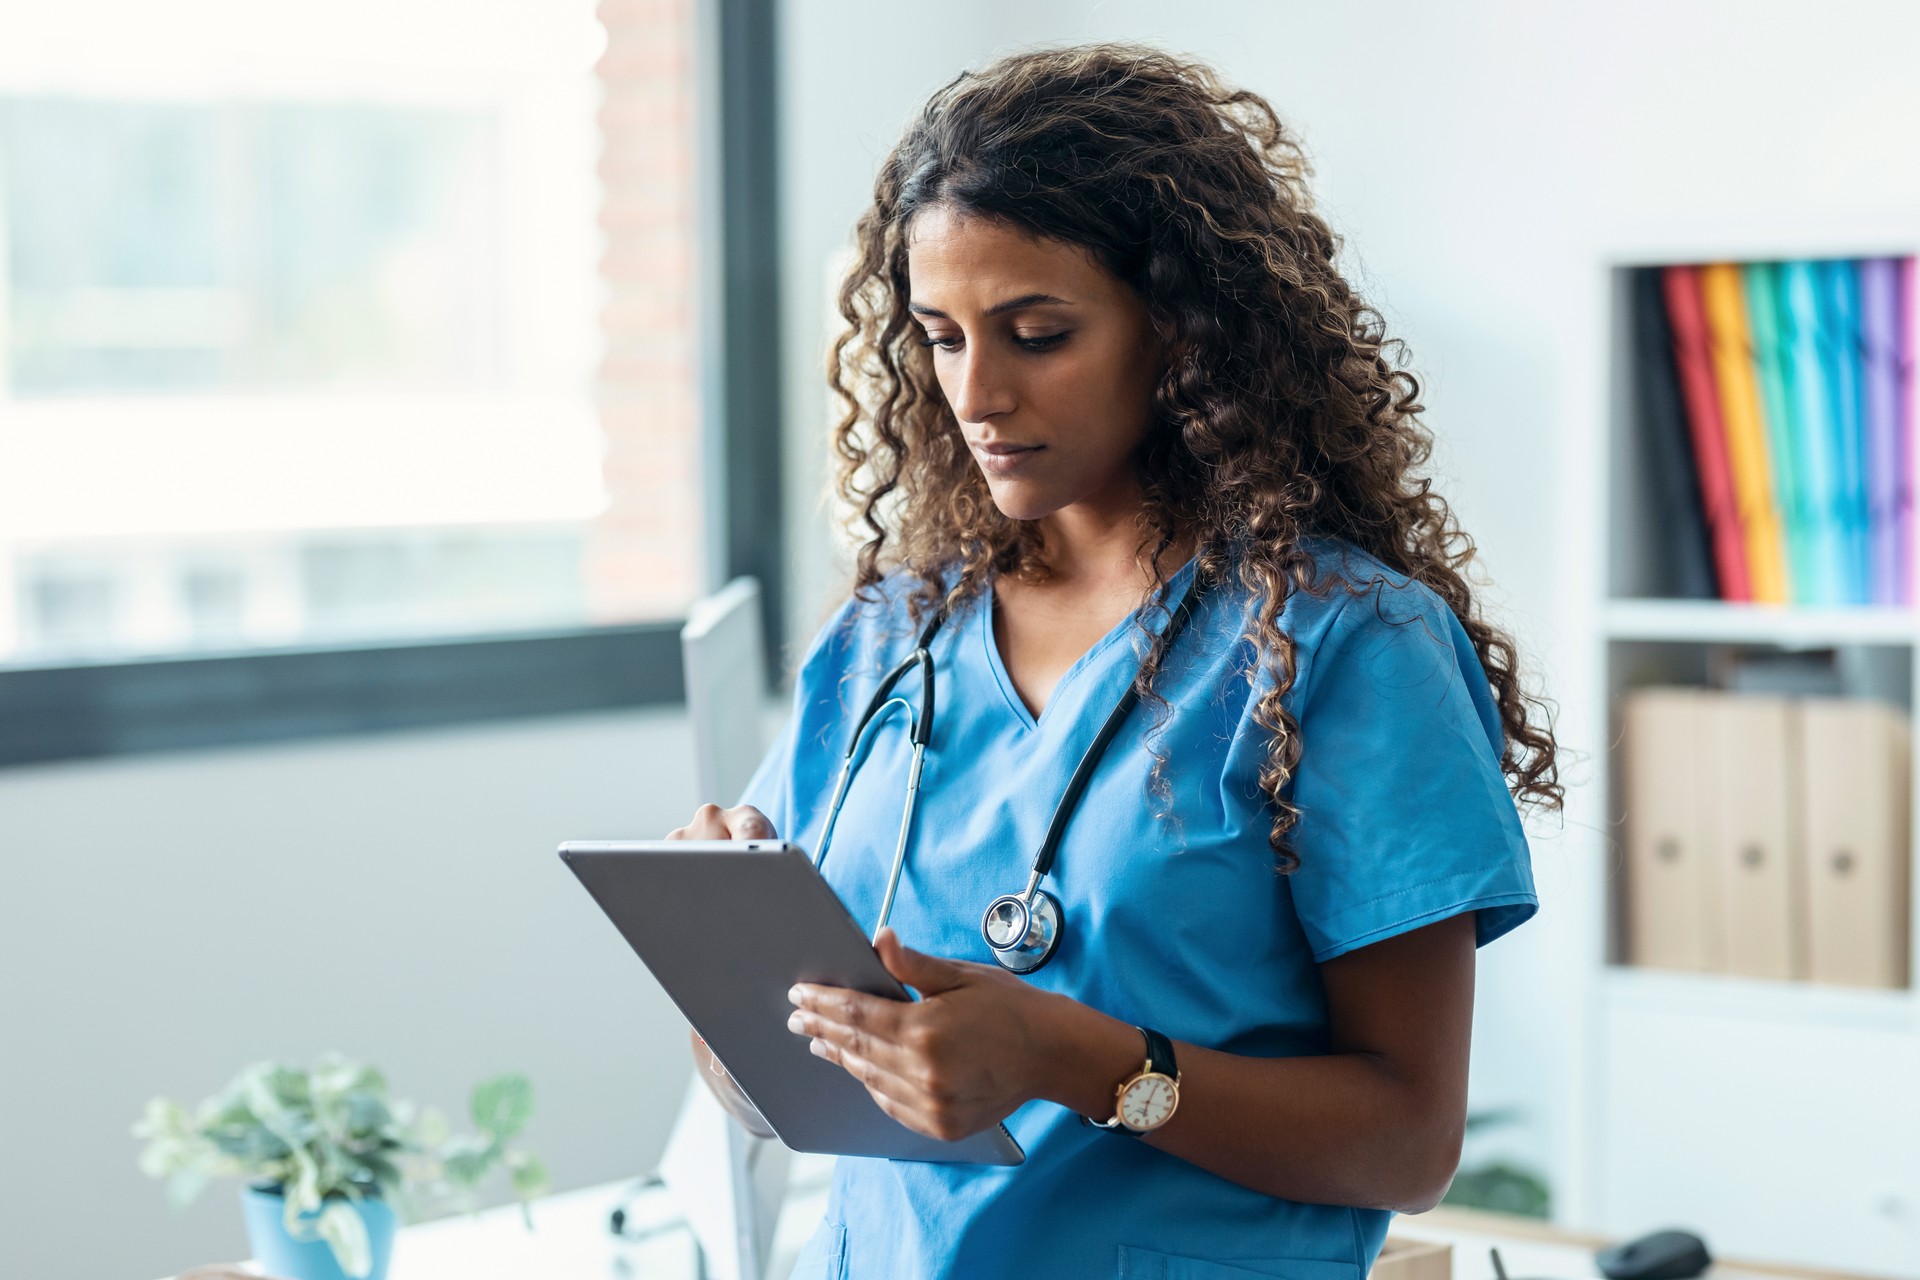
(1175, 586)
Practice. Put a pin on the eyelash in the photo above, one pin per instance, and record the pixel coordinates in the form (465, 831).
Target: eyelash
(1047, 343)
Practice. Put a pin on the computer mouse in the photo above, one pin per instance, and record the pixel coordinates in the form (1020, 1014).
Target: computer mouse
(1663, 1255)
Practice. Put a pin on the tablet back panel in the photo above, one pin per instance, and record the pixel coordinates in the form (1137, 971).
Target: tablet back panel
(726, 927)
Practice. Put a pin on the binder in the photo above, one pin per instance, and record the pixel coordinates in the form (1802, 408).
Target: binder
(1663, 422)
(1904, 400)
(1855, 806)
(1837, 333)
(1685, 310)
(1783, 446)
(1671, 917)
(1879, 331)
(1731, 352)
(1753, 832)
(1797, 308)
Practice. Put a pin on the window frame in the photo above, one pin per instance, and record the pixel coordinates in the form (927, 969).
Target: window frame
(91, 710)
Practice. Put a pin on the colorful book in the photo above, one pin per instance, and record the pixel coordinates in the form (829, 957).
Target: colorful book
(1907, 339)
(1783, 448)
(1798, 307)
(1687, 570)
(1837, 331)
(1731, 352)
(1880, 389)
(1687, 314)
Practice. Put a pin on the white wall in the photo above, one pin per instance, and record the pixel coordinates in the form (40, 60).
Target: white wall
(852, 74)
(165, 920)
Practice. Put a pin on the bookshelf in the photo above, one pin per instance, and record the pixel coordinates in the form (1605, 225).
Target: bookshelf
(1780, 1118)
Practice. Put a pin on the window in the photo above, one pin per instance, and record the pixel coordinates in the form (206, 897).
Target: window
(301, 325)
(352, 359)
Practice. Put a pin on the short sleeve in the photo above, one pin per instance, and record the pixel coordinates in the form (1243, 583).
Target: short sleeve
(795, 764)
(1404, 816)
(770, 789)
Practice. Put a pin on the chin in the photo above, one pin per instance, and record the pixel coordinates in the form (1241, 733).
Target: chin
(1022, 502)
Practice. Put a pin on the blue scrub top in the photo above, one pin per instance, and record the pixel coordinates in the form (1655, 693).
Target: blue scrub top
(1175, 917)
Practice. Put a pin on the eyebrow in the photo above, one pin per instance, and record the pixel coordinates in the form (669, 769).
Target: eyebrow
(1011, 304)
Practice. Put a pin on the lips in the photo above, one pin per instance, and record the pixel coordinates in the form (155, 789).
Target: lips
(1003, 457)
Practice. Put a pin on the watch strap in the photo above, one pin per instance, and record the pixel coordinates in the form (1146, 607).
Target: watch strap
(1160, 1060)
(1160, 1053)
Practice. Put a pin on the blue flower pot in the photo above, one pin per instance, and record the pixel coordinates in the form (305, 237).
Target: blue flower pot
(280, 1254)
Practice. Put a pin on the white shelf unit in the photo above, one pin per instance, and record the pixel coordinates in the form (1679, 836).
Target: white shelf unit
(1780, 1119)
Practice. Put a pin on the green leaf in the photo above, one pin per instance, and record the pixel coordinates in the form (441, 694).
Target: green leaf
(502, 1106)
(318, 1134)
(433, 1130)
(336, 1077)
(305, 1192)
(467, 1159)
(346, 1234)
(529, 1176)
(162, 1118)
(185, 1186)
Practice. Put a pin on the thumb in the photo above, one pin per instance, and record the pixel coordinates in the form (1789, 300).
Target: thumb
(929, 975)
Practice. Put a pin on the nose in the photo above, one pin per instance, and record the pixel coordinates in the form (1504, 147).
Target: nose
(977, 385)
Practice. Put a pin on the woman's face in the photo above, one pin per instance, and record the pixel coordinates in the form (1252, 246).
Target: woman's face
(1046, 358)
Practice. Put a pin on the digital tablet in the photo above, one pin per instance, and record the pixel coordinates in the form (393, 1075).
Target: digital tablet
(727, 926)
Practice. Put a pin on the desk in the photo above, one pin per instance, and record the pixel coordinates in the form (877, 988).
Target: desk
(570, 1241)
(1534, 1250)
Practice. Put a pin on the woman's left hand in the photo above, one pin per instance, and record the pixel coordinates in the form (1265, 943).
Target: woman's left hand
(959, 1059)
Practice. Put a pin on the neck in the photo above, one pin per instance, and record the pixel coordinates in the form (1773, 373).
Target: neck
(1100, 542)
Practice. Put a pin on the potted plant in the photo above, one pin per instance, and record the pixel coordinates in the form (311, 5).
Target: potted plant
(330, 1163)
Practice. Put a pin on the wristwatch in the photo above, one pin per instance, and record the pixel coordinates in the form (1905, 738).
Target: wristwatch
(1146, 1099)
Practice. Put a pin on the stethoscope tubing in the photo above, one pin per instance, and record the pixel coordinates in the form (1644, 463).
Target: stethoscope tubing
(1028, 954)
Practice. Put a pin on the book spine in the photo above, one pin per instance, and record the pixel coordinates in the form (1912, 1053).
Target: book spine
(1681, 285)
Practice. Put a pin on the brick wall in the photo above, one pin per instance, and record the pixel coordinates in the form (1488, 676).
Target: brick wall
(644, 555)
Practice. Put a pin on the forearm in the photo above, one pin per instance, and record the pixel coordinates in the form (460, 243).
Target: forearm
(1327, 1129)
(725, 1091)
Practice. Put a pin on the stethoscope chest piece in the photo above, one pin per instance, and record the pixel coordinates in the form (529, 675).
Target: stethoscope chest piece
(1022, 931)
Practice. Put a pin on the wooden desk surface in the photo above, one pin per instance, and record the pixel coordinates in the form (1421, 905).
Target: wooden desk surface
(1464, 1225)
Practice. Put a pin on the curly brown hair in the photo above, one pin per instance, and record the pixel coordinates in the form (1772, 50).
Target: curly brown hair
(1278, 416)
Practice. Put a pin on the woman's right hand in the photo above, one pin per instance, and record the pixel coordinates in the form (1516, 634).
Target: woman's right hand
(711, 822)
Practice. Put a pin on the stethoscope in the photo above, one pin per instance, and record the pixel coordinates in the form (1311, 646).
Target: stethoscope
(1022, 929)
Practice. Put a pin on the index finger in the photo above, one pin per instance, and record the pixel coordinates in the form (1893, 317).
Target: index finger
(849, 1007)
(744, 822)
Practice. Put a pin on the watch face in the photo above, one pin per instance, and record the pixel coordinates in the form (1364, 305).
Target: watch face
(1148, 1102)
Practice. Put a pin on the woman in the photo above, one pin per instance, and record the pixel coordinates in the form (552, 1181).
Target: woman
(1098, 350)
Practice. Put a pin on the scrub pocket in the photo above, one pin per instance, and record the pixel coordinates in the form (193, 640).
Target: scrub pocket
(824, 1255)
(1144, 1264)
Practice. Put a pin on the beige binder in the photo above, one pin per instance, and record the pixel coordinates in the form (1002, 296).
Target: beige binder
(1672, 921)
(1855, 805)
(1753, 831)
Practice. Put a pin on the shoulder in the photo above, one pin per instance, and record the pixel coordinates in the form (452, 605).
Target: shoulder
(1364, 595)
(1350, 591)
(1356, 610)
(870, 626)
(1390, 642)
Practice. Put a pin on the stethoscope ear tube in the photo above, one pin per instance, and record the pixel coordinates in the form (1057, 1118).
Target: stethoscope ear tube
(922, 732)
